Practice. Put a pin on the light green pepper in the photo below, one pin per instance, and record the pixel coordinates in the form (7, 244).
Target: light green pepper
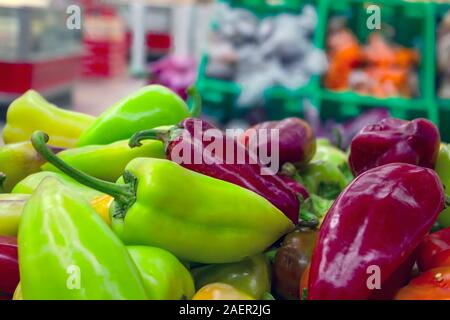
(163, 275)
(66, 251)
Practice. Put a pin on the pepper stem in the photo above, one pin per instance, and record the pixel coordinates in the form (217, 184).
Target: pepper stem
(2, 182)
(124, 194)
(337, 134)
(447, 201)
(197, 101)
(152, 134)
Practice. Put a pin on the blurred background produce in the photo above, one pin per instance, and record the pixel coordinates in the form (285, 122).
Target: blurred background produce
(251, 60)
(354, 87)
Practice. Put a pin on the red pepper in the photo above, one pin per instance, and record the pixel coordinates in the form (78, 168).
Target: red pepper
(9, 266)
(393, 140)
(433, 284)
(370, 233)
(224, 166)
(434, 251)
(296, 140)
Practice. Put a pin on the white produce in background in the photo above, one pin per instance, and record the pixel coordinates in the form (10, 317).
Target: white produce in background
(263, 53)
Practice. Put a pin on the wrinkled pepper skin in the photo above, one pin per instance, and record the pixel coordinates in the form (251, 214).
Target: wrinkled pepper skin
(251, 275)
(67, 252)
(30, 184)
(190, 135)
(9, 266)
(211, 221)
(433, 284)
(149, 107)
(163, 275)
(443, 170)
(296, 140)
(434, 251)
(394, 140)
(107, 162)
(378, 220)
(17, 161)
(220, 291)
(31, 112)
(228, 228)
(291, 261)
(11, 206)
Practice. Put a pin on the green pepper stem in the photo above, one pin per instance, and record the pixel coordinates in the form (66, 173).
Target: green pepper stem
(122, 193)
(152, 134)
(197, 101)
(447, 201)
(337, 134)
(2, 182)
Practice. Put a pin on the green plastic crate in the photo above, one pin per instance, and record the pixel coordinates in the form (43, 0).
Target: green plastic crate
(414, 24)
(444, 104)
(220, 96)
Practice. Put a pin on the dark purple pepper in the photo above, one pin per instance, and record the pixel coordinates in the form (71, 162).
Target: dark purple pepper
(297, 143)
(9, 266)
(295, 186)
(394, 140)
(373, 229)
(223, 166)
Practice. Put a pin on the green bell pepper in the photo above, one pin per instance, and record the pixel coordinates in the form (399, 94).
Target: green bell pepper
(66, 251)
(149, 107)
(107, 162)
(30, 184)
(443, 170)
(18, 160)
(11, 206)
(163, 275)
(31, 112)
(196, 217)
(327, 174)
(316, 206)
(251, 275)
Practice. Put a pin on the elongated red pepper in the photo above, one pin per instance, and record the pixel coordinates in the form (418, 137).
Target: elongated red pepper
(296, 139)
(9, 266)
(393, 140)
(372, 229)
(192, 136)
(434, 251)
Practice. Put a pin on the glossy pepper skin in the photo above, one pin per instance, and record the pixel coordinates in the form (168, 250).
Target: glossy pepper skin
(163, 275)
(17, 161)
(220, 291)
(11, 206)
(434, 251)
(230, 222)
(291, 261)
(378, 220)
(443, 170)
(193, 135)
(394, 140)
(30, 184)
(67, 252)
(107, 162)
(251, 275)
(9, 266)
(150, 107)
(296, 139)
(433, 284)
(31, 112)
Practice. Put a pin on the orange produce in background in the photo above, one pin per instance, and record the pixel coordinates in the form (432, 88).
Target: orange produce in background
(379, 69)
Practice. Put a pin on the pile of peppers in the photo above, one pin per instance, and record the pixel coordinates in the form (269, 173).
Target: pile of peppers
(113, 208)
